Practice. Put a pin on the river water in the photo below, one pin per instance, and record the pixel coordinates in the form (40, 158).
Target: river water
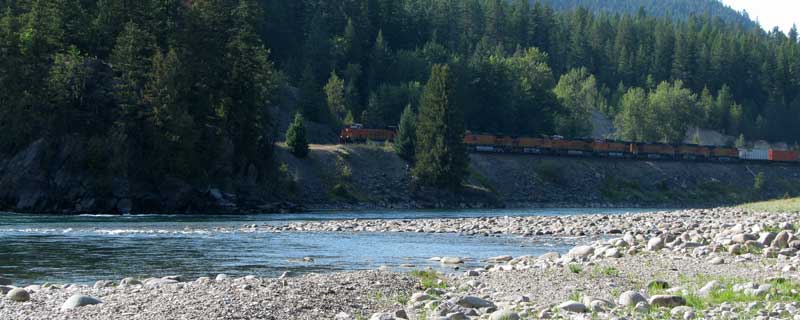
(86, 248)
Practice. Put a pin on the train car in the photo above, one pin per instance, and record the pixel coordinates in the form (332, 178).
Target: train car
(504, 143)
(725, 154)
(783, 156)
(533, 145)
(479, 142)
(653, 150)
(572, 147)
(358, 134)
(754, 154)
(607, 148)
(693, 152)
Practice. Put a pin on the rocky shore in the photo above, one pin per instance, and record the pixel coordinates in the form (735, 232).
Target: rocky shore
(690, 264)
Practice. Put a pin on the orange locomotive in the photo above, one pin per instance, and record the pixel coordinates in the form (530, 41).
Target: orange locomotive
(358, 134)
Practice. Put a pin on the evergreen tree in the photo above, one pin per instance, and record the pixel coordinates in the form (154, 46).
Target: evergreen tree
(296, 137)
(406, 140)
(440, 152)
(334, 91)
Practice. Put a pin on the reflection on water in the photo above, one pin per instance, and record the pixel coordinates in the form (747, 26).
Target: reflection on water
(37, 249)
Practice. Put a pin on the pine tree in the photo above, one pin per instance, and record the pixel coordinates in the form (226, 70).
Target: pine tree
(406, 140)
(441, 154)
(296, 137)
(334, 92)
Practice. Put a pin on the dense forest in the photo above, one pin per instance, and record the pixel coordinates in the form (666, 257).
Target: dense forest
(155, 87)
(677, 9)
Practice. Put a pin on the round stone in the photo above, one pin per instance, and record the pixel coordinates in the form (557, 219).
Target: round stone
(77, 301)
(18, 295)
(504, 315)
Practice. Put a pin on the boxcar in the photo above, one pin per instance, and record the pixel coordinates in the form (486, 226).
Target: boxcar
(725, 154)
(573, 147)
(693, 152)
(533, 145)
(480, 142)
(606, 148)
(653, 150)
(783, 156)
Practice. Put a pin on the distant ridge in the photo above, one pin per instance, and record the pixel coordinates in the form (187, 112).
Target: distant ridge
(678, 9)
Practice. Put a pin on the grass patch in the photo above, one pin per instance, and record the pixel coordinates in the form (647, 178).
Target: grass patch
(606, 271)
(575, 268)
(549, 171)
(791, 205)
(619, 189)
(429, 279)
(482, 180)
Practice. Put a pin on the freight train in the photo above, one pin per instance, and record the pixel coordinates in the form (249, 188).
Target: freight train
(556, 145)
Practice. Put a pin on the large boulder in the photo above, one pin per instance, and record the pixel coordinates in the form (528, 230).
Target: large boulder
(18, 295)
(78, 300)
(473, 302)
(581, 251)
(655, 244)
(573, 306)
(667, 301)
(630, 298)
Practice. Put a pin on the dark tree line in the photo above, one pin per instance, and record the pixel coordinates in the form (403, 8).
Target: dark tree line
(174, 86)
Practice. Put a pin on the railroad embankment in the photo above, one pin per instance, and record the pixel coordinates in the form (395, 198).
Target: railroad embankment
(358, 176)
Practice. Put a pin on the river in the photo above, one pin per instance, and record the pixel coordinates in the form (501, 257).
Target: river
(87, 248)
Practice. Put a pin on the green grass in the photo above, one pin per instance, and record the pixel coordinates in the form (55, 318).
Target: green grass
(549, 171)
(429, 279)
(783, 205)
(575, 268)
(606, 271)
(620, 189)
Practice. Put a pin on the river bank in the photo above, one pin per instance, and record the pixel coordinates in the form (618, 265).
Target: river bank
(706, 263)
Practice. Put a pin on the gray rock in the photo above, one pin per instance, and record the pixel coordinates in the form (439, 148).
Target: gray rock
(681, 312)
(573, 306)
(401, 314)
(581, 251)
(612, 253)
(781, 240)
(716, 261)
(500, 259)
(473, 302)
(343, 316)
(221, 277)
(456, 316)
(665, 300)
(382, 316)
(655, 244)
(451, 260)
(5, 289)
(103, 284)
(742, 237)
(18, 295)
(766, 238)
(504, 315)
(630, 298)
(130, 282)
(77, 301)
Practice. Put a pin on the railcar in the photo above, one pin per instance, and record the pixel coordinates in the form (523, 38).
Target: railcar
(612, 149)
(693, 152)
(556, 145)
(359, 134)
